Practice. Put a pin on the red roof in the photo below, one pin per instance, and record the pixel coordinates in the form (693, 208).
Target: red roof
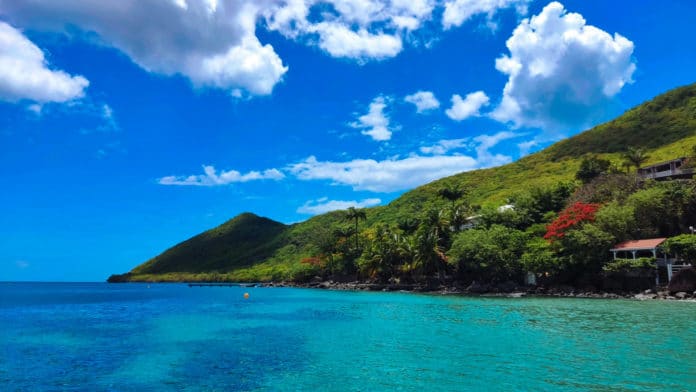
(650, 243)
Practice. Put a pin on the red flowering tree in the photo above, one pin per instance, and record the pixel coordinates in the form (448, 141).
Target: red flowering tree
(569, 218)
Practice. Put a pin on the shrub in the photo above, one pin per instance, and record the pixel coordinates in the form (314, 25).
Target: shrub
(624, 265)
(682, 245)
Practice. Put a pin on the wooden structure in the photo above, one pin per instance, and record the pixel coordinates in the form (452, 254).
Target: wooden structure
(650, 247)
(666, 170)
(646, 248)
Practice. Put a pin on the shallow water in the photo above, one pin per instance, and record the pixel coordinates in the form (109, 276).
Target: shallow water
(97, 336)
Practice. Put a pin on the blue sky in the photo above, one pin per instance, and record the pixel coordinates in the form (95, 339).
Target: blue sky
(129, 126)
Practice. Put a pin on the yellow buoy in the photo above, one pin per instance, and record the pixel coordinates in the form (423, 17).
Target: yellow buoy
(246, 295)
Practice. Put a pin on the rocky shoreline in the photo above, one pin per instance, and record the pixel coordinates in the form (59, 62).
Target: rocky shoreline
(507, 290)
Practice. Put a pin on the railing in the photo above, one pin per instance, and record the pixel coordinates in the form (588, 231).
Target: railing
(666, 173)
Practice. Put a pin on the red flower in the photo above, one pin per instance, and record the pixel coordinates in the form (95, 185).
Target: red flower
(569, 218)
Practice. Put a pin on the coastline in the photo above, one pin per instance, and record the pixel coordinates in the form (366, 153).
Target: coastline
(479, 290)
(507, 289)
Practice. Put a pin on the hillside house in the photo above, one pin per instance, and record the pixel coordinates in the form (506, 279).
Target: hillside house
(672, 169)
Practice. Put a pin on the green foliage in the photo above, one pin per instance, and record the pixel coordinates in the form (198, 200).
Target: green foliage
(584, 249)
(635, 157)
(625, 265)
(606, 188)
(538, 257)
(411, 236)
(617, 220)
(683, 246)
(492, 253)
(592, 167)
(664, 208)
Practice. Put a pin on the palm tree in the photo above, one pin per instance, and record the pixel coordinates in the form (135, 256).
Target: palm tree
(635, 157)
(431, 241)
(451, 193)
(355, 214)
(457, 213)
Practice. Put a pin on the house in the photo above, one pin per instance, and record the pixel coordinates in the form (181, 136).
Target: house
(650, 247)
(666, 170)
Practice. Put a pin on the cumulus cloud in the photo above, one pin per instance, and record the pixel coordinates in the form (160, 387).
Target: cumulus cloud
(468, 107)
(459, 11)
(357, 29)
(561, 71)
(341, 41)
(212, 178)
(213, 43)
(424, 101)
(25, 73)
(323, 205)
(375, 123)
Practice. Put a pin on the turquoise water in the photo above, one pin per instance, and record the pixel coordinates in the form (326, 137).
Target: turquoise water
(59, 336)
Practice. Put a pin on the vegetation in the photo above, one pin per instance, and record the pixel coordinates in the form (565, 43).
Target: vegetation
(683, 245)
(570, 203)
(625, 265)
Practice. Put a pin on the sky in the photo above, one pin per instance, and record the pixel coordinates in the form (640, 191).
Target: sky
(129, 126)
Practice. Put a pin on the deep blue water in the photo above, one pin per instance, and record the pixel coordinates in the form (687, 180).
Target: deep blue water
(122, 337)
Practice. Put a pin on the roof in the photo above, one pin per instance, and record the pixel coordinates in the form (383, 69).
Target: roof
(680, 159)
(647, 244)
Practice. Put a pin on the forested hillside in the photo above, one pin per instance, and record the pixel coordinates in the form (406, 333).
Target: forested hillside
(571, 202)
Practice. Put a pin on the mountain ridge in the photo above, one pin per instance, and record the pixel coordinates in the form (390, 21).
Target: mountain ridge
(665, 127)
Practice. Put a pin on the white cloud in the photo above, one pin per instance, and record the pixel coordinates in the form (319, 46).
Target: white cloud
(396, 174)
(561, 71)
(341, 41)
(486, 142)
(375, 123)
(444, 146)
(323, 205)
(468, 107)
(212, 178)
(424, 101)
(25, 75)
(459, 11)
(213, 44)
(110, 124)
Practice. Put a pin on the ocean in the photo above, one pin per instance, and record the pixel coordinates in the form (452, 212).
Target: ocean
(140, 337)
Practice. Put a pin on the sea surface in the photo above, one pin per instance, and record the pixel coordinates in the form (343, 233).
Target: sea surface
(140, 337)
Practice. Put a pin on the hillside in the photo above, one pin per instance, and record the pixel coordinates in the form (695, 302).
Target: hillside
(249, 248)
(240, 242)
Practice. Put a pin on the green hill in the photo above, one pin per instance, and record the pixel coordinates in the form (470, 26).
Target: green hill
(240, 242)
(249, 248)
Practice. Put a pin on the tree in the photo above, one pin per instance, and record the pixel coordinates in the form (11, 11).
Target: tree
(683, 246)
(617, 220)
(584, 250)
(592, 167)
(457, 213)
(355, 214)
(635, 157)
(570, 218)
(491, 254)
(431, 240)
(538, 257)
(451, 193)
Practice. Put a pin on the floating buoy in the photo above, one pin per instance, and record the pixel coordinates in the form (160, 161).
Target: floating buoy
(246, 295)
